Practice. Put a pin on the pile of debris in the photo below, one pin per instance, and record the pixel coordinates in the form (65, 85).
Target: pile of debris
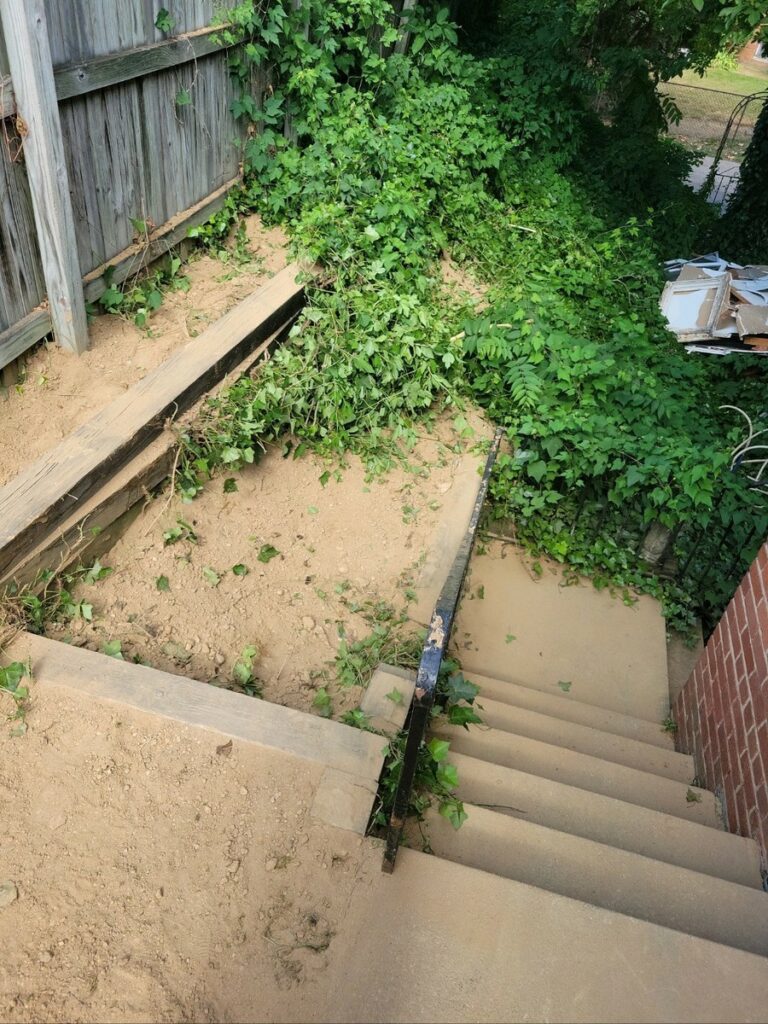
(717, 307)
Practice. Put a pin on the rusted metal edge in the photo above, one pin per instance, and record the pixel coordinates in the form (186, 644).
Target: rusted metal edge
(435, 646)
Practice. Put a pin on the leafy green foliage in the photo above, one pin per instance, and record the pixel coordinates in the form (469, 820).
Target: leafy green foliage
(11, 679)
(496, 156)
(242, 673)
(140, 299)
(164, 21)
(745, 223)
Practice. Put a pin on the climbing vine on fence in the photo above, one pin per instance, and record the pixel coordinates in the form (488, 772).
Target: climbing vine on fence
(393, 158)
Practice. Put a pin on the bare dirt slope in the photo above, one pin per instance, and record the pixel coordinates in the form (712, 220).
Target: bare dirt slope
(60, 391)
(155, 873)
(338, 555)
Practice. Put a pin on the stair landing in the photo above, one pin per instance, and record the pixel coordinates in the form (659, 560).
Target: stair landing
(612, 655)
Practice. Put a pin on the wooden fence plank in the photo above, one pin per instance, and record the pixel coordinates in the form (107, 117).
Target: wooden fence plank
(29, 56)
(101, 72)
(23, 335)
(47, 491)
(132, 259)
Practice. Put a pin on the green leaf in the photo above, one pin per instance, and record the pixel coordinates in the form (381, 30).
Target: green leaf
(164, 21)
(564, 686)
(448, 776)
(313, 510)
(183, 98)
(162, 583)
(114, 649)
(465, 716)
(97, 572)
(211, 576)
(230, 485)
(322, 701)
(240, 569)
(438, 749)
(395, 696)
(509, 638)
(457, 688)
(453, 810)
(267, 553)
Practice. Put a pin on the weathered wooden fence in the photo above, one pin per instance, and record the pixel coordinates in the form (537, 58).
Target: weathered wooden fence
(106, 121)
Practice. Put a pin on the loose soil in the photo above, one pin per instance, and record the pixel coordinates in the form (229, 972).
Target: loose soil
(60, 391)
(349, 550)
(155, 872)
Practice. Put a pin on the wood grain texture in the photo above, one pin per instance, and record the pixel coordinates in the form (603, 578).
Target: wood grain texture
(96, 523)
(308, 737)
(113, 69)
(23, 335)
(26, 40)
(22, 286)
(38, 499)
(136, 256)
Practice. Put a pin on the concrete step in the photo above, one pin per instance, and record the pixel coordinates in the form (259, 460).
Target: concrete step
(572, 710)
(537, 629)
(603, 876)
(524, 954)
(572, 736)
(583, 771)
(609, 821)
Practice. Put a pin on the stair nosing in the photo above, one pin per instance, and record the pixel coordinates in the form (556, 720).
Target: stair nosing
(569, 704)
(741, 847)
(727, 886)
(684, 761)
(452, 733)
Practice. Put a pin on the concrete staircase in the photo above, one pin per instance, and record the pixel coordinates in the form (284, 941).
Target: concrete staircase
(604, 812)
(586, 801)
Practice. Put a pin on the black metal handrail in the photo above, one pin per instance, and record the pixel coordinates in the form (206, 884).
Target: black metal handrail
(435, 646)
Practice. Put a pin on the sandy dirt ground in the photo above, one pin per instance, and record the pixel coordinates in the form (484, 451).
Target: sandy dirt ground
(155, 873)
(59, 391)
(337, 550)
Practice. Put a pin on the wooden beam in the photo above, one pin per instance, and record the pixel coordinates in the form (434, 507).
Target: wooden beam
(97, 523)
(7, 98)
(29, 57)
(41, 497)
(23, 335)
(101, 72)
(405, 36)
(158, 243)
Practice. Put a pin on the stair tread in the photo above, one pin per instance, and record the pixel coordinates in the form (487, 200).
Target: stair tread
(604, 876)
(587, 740)
(569, 707)
(583, 771)
(608, 820)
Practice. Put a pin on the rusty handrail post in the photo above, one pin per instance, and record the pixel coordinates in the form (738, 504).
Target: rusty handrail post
(435, 646)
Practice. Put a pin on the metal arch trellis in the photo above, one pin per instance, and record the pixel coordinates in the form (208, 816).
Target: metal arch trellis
(719, 190)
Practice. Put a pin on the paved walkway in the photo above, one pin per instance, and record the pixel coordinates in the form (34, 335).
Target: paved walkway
(725, 180)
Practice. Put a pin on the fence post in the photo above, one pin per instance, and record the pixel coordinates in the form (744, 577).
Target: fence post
(31, 66)
(405, 36)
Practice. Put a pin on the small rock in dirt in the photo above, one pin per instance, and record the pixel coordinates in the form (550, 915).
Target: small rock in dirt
(271, 864)
(219, 659)
(308, 622)
(233, 867)
(8, 894)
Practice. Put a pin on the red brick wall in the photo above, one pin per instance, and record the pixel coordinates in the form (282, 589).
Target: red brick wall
(722, 711)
